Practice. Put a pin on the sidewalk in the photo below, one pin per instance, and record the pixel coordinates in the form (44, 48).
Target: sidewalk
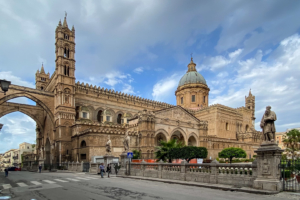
(206, 185)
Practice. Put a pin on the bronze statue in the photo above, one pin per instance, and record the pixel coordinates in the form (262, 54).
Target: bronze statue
(126, 142)
(267, 124)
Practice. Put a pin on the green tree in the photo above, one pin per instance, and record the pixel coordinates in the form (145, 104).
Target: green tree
(163, 151)
(189, 152)
(232, 152)
(291, 141)
(136, 154)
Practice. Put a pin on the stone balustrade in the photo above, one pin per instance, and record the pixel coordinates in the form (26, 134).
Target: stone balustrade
(230, 174)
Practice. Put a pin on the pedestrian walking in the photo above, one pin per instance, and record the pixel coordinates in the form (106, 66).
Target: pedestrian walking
(6, 172)
(40, 168)
(101, 167)
(108, 170)
(116, 168)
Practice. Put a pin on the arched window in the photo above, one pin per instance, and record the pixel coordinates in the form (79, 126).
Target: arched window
(83, 144)
(100, 116)
(67, 152)
(66, 52)
(42, 88)
(119, 118)
(181, 99)
(227, 126)
(77, 112)
(247, 127)
(203, 99)
(66, 70)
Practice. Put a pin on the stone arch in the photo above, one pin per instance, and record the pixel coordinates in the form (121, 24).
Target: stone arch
(26, 112)
(47, 151)
(96, 113)
(29, 96)
(112, 115)
(183, 133)
(83, 144)
(192, 140)
(118, 116)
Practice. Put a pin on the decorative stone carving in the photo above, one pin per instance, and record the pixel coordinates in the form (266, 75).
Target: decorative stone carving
(267, 124)
(108, 146)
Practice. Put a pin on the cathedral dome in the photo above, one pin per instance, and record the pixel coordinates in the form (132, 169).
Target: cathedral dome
(191, 76)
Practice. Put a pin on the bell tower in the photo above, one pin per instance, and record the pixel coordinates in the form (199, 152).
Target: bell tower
(250, 104)
(64, 89)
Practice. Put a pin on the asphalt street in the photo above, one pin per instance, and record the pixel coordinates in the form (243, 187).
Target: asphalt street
(80, 186)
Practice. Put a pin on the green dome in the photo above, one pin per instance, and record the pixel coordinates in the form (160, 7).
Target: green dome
(191, 77)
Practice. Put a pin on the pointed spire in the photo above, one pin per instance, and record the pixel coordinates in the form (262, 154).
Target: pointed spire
(42, 69)
(73, 29)
(65, 21)
(59, 23)
(250, 94)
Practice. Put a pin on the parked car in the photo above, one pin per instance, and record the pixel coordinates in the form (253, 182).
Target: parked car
(18, 169)
(11, 168)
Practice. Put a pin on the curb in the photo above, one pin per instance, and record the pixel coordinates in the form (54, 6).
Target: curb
(212, 186)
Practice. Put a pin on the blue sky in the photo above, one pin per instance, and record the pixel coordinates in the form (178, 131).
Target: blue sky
(143, 48)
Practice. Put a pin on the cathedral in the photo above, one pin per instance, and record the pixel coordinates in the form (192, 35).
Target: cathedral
(85, 115)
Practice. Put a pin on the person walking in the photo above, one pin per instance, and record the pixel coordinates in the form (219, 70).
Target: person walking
(40, 168)
(108, 170)
(6, 172)
(116, 168)
(101, 167)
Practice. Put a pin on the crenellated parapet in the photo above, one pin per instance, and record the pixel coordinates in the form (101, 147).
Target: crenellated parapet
(95, 91)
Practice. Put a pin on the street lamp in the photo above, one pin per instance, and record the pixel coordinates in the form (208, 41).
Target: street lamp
(4, 85)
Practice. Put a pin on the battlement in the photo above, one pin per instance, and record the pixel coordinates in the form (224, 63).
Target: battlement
(236, 110)
(96, 91)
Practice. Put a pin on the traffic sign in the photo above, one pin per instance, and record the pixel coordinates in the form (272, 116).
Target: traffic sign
(129, 155)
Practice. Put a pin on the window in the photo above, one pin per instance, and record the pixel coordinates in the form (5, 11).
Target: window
(83, 156)
(67, 152)
(227, 126)
(181, 100)
(99, 116)
(66, 53)
(84, 115)
(204, 99)
(83, 144)
(119, 119)
(108, 118)
(247, 127)
(193, 98)
(66, 70)
(42, 88)
(66, 36)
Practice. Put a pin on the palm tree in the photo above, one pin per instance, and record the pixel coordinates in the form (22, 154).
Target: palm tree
(162, 152)
(291, 141)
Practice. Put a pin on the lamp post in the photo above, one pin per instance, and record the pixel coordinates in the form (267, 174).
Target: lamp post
(4, 85)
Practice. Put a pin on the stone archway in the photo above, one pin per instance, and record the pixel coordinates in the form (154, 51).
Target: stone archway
(192, 141)
(160, 137)
(177, 135)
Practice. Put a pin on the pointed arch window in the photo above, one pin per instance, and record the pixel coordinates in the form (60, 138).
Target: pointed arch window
(100, 116)
(66, 70)
(119, 119)
(66, 52)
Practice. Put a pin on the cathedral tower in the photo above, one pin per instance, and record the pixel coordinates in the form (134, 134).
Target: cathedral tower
(41, 79)
(64, 89)
(192, 91)
(250, 104)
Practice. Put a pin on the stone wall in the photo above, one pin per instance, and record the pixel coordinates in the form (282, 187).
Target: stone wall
(230, 174)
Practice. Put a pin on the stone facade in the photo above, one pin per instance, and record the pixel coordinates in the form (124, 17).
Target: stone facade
(75, 119)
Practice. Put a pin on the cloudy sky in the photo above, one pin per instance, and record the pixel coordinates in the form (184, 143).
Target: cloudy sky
(143, 48)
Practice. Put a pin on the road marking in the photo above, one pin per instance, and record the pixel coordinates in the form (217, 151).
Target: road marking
(22, 184)
(61, 180)
(71, 179)
(82, 178)
(47, 181)
(6, 186)
(35, 183)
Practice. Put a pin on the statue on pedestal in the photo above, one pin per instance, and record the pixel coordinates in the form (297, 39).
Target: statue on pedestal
(41, 153)
(126, 142)
(267, 124)
(108, 146)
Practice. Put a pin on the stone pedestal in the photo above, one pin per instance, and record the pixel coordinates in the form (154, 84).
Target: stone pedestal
(268, 172)
(108, 159)
(124, 160)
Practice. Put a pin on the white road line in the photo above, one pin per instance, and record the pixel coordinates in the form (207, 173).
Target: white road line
(71, 179)
(82, 178)
(22, 184)
(47, 181)
(35, 183)
(61, 180)
(6, 186)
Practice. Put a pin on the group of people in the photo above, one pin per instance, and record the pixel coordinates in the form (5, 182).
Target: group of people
(108, 169)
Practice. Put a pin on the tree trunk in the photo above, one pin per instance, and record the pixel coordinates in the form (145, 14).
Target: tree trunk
(230, 159)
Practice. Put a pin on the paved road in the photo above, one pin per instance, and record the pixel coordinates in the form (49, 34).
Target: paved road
(80, 186)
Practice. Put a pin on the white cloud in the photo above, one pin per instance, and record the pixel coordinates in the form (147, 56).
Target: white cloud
(138, 70)
(235, 54)
(128, 89)
(271, 81)
(164, 89)
(14, 79)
